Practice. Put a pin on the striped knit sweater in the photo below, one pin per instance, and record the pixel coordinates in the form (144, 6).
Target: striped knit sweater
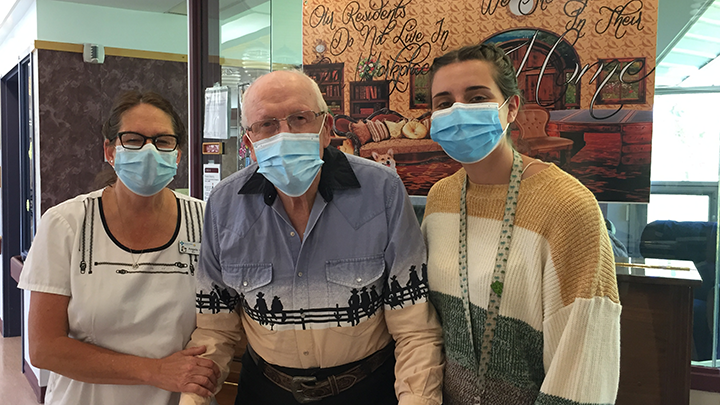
(558, 333)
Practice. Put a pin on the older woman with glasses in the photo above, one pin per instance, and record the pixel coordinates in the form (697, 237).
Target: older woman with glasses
(112, 274)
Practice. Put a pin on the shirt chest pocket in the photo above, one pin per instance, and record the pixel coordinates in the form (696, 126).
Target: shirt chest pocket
(247, 277)
(356, 282)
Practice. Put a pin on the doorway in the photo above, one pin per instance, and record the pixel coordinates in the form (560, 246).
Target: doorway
(17, 185)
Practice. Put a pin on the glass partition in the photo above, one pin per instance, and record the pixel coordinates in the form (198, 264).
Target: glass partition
(254, 41)
(286, 34)
(244, 56)
(679, 225)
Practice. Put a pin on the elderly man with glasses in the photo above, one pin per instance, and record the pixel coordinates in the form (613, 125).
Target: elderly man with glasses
(298, 253)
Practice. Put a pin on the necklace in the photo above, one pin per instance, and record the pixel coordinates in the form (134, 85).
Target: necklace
(135, 262)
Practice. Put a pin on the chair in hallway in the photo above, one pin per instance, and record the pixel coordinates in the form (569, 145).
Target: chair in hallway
(533, 139)
(696, 242)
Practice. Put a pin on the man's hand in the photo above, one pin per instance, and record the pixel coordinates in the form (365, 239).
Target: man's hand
(185, 372)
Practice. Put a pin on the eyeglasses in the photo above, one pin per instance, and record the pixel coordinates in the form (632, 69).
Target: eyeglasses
(299, 121)
(135, 141)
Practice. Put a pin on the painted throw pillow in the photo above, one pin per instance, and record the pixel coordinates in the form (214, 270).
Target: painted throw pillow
(426, 122)
(378, 131)
(395, 128)
(414, 129)
(361, 130)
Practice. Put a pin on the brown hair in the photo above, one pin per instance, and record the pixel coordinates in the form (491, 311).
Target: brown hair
(125, 102)
(504, 74)
(132, 98)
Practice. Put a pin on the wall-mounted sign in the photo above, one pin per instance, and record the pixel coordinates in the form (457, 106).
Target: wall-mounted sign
(213, 148)
(217, 113)
(211, 177)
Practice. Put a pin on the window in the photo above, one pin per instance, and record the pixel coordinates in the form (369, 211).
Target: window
(678, 207)
(572, 92)
(420, 91)
(626, 84)
(686, 138)
(684, 177)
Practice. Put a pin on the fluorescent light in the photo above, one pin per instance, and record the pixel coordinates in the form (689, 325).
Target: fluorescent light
(701, 54)
(708, 75)
(244, 25)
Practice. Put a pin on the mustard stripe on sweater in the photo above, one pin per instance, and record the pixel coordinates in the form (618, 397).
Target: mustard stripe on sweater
(554, 205)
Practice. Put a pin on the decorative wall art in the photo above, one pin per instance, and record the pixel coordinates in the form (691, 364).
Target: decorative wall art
(585, 69)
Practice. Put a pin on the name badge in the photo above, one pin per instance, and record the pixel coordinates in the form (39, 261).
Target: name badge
(191, 248)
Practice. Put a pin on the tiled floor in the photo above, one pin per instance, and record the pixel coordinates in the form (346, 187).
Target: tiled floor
(14, 388)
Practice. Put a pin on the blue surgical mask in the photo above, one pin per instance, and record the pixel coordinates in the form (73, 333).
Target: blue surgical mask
(145, 171)
(468, 133)
(289, 161)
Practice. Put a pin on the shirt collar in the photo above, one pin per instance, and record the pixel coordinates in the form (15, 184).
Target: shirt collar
(336, 174)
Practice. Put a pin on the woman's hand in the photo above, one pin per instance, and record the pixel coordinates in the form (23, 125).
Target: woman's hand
(185, 372)
(51, 349)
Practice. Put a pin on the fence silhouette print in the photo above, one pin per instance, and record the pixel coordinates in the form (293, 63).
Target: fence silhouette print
(361, 303)
(356, 309)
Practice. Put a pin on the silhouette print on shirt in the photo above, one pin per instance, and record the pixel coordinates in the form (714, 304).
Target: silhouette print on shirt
(360, 305)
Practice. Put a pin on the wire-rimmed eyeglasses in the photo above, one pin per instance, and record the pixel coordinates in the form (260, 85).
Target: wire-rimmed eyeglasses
(300, 121)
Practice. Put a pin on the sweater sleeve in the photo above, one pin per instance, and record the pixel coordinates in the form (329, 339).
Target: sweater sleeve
(411, 319)
(581, 326)
(582, 354)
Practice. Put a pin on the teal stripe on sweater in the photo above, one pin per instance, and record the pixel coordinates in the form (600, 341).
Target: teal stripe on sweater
(517, 352)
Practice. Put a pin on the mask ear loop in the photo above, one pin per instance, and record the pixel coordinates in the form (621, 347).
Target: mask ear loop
(500, 108)
(323, 123)
(248, 138)
(503, 104)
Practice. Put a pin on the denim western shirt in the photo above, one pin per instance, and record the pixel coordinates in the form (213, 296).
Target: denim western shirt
(353, 284)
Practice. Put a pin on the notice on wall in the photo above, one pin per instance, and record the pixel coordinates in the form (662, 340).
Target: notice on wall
(217, 113)
(211, 177)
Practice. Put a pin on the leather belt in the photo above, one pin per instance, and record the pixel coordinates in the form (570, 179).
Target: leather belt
(307, 389)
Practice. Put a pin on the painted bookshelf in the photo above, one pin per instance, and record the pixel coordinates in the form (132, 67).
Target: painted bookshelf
(329, 77)
(368, 96)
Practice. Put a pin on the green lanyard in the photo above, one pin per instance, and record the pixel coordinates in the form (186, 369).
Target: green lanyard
(496, 287)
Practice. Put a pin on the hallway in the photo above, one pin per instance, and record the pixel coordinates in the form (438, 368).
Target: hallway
(14, 388)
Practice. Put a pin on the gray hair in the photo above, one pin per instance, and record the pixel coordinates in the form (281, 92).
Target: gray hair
(315, 89)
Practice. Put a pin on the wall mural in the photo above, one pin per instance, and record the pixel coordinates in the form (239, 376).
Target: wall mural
(585, 70)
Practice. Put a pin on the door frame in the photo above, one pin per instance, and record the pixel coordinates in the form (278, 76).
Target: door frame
(11, 195)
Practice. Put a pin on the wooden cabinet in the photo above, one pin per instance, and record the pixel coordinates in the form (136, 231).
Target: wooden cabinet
(330, 79)
(656, 334)
(368, 96)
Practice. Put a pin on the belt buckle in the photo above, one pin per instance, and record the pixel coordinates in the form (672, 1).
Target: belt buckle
(297, 389)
